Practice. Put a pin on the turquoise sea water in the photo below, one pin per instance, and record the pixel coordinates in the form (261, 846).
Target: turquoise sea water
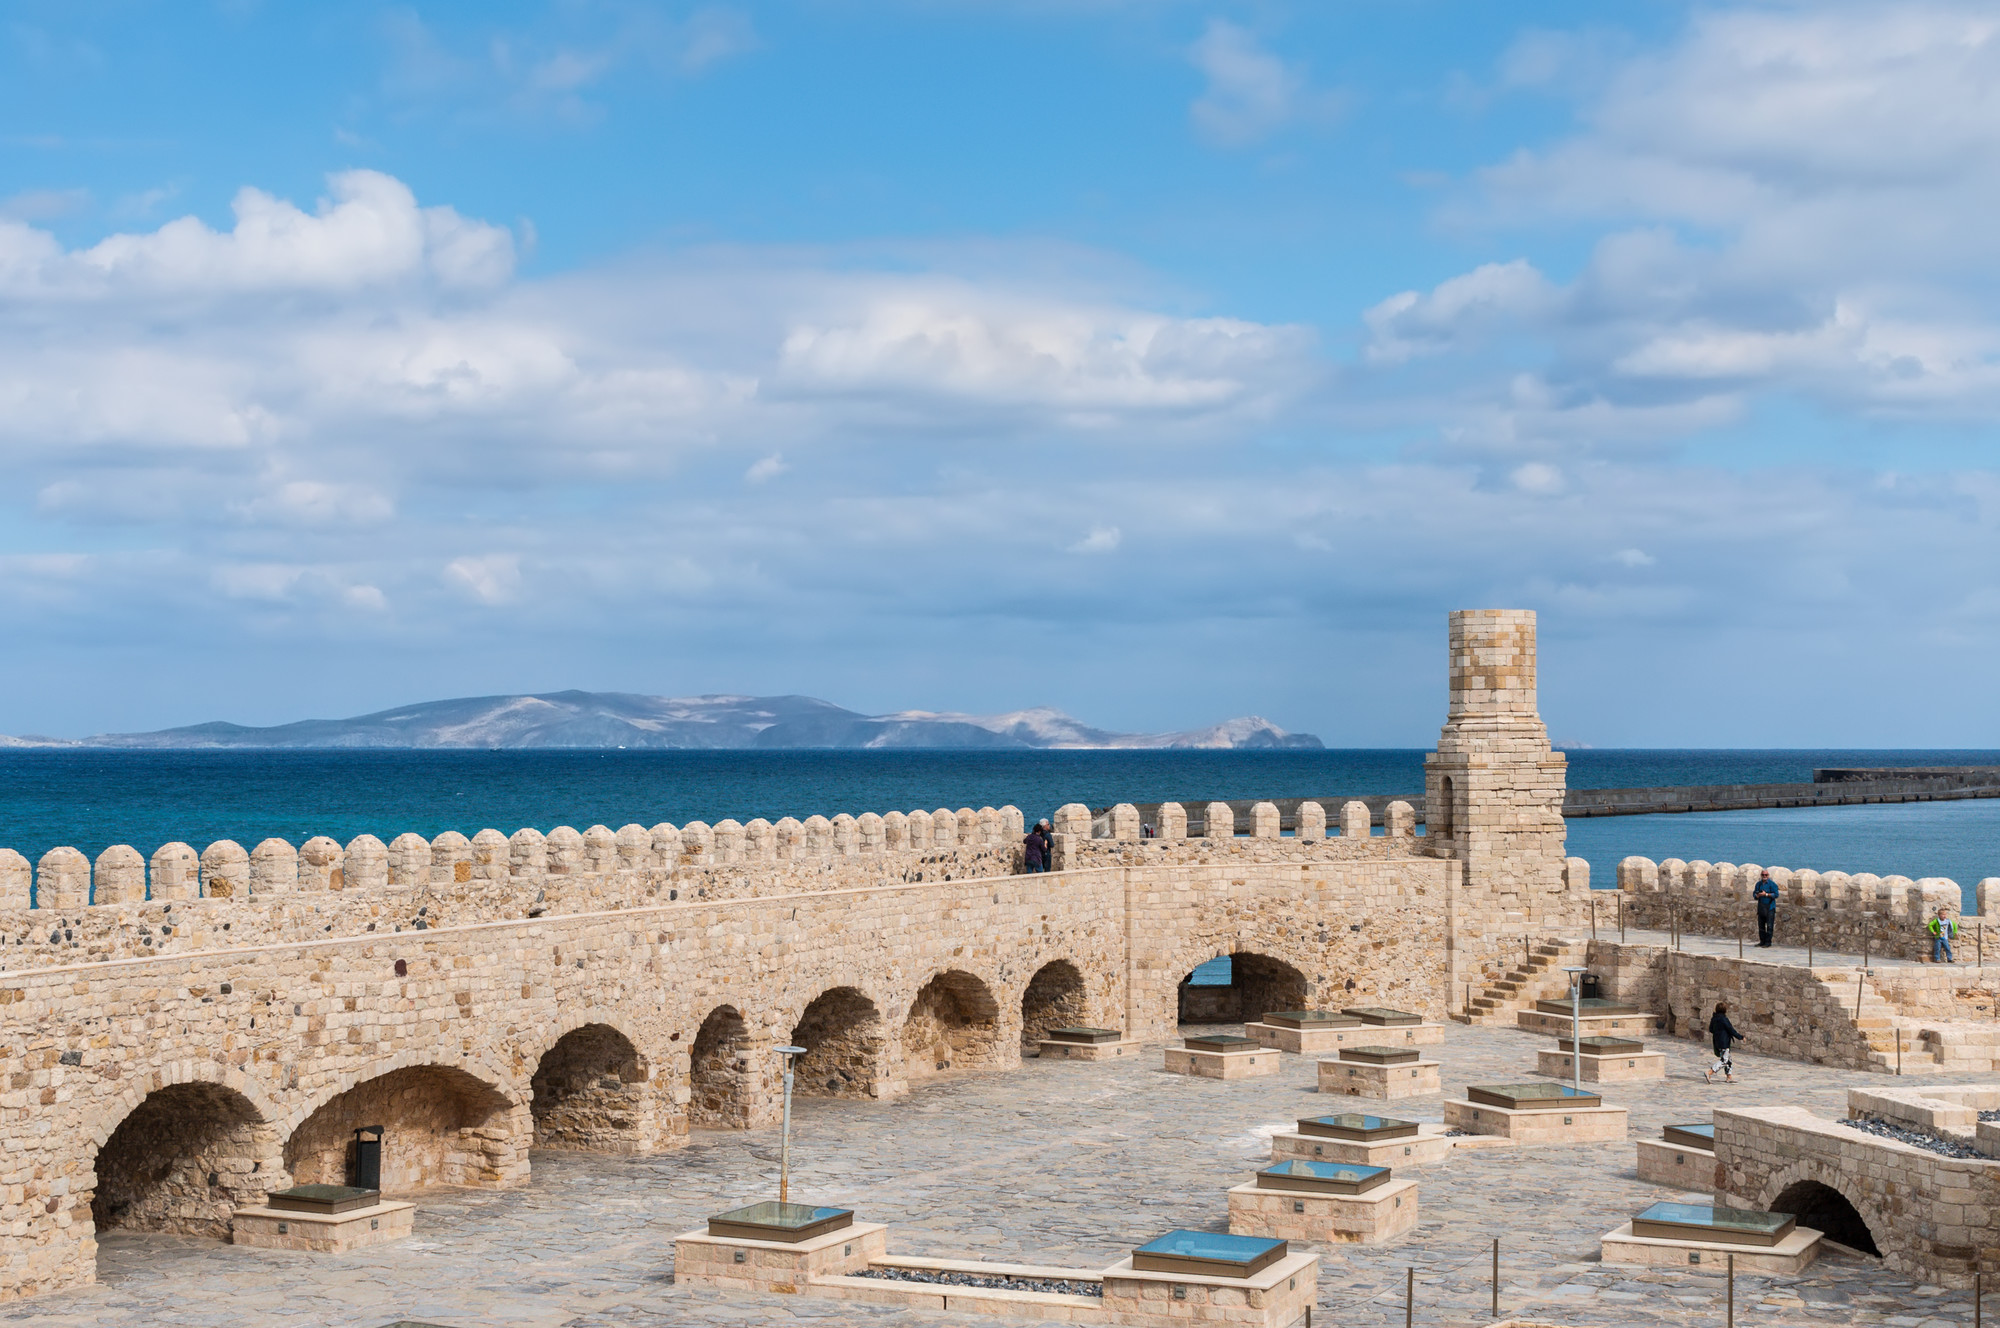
(92, 799)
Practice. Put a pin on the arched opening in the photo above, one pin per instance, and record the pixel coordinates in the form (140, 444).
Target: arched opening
(441, 1126)
(842, 1034)
(184, 1160)
(1239, 988)
(1441, 823)
(1055, 998)
(954, 1024)
(592, 1092)
(720, 1077)
(1826, 1210)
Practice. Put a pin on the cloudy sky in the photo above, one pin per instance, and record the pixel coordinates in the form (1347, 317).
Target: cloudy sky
(1162, 362)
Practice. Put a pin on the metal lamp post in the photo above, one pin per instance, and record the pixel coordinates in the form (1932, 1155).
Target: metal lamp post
(790, 1054)
(1575, 1026)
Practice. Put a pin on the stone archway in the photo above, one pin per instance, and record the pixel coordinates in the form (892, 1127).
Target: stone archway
(1828, 1211)
(183, 1160)
(842, 1034)
(1056, 997)
(1257, 983)
(594, 1092)
(442, 1126)
(954, 1024)
(722, 1082)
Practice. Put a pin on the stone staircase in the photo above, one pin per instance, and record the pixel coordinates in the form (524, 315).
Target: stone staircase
(1538, 977)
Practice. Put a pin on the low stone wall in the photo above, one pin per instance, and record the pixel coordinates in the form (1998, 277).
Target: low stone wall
(1834, 911)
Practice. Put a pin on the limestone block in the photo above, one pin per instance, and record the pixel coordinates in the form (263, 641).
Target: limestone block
(527, 857)
(1310, 821)
(1677, 1165)
(176, 872)
(1356, 821)
(409, 861)
(635, 847)
(760, 839)
(1788, 1258)
(920, 831)
(1576, 876)
(1265, 822)
(1087, 1051)
(1374, 1218)
(364, 864)
(969, 832)
(1072, 818)
(318, 1233)
(1359, 1079)
(120, 876)
(1277, 1297)
(819, 835)
(895, 832)
(1125, 821)
(491, 856)
(870, 836)
(667, 845)
(1562, 1125)
(1218, 821)
(225, 870)
(451, 858)
(1013, 824)
(274, 868)
(1399, 820)
(944, 827)
(1638, 874)
(1222, 1064)
(1429, 1144)
(17, 880)
(600, 850)
(1173, 821)
(730, 1263)
(62, 879)
(847, 840)
(698, 843)
(1604, 1069)
(727, 838)
(990, 825)
(322, 864)
(1987, 895)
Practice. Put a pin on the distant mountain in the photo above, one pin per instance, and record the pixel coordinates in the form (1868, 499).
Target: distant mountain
(623, 719)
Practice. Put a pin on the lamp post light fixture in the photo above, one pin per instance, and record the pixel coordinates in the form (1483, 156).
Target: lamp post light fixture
(1575, 1026)
(791, 1054)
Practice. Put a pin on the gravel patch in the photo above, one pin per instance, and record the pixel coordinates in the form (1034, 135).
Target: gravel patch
(991, 1281)
(1913, 1137)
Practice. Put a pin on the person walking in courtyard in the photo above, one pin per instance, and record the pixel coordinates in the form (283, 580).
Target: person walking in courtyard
(1942, 929)
(1766, 895)
(1721, 1035)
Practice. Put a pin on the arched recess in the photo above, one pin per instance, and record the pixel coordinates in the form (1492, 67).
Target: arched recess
(954, 1024)
(842, 1034)
(1828, 1211)
(1447, 813)
(183, 1160)
(594, 1091)
(1257, 982)
(1056, 997)
(442, 1126)
(723, 1082)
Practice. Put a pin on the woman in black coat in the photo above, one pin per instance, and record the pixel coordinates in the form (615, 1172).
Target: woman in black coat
(1722, 1035)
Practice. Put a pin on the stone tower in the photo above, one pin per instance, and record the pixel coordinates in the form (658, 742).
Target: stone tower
(1493, 789)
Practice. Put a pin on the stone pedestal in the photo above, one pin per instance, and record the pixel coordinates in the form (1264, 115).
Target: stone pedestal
(1605, 1069)
(731, 1263)
(1684, 1168)
(1429, 1144)
(1374, 1218)
(1359, 1079)
(322, 1233)
(1278, 1297)
(1086, 1051)
(1788, 1257)
(1222, 1064)
(1605, 1025)
(1560, 1125)
(1302, 1041)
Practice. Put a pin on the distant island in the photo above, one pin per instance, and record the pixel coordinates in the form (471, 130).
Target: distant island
(625, 719)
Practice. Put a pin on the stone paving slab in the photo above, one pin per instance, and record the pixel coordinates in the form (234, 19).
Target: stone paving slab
(1061, 1163)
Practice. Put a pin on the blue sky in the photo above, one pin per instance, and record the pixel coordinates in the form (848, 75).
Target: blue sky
(1162, 362)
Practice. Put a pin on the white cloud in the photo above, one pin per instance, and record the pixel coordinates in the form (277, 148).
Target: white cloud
(493, 578)
(766, 468)
(1251, 93)
(1633, 558)
(1538, 477)
(1101, 539)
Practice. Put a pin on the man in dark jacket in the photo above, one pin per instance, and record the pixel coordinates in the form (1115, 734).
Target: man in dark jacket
(1766, 895)
(1721, 1035)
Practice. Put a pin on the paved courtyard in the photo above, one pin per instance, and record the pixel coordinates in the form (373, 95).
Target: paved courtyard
(1056, 1162)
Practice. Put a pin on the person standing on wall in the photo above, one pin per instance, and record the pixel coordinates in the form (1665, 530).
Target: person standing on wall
(1942, 929)
(1721, 1035)
(1766, 895)
(1035, 850)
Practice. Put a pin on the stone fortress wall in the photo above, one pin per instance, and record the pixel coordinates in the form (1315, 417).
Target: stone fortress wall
(170, 1059)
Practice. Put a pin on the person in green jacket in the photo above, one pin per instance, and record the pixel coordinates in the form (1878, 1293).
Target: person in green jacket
(1942, 929)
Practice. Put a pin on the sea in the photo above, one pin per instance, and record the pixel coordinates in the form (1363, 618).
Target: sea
(93, 798)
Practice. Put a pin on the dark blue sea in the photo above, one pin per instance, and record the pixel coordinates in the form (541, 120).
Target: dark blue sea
(95, 798)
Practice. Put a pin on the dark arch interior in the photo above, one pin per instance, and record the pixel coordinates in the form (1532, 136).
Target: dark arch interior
(1445, 812)
(954, 1024)
(590, 1092)
(1255, 983)
(842, 1034)
(435, 1120)
(719, 1078)
(1827, 1210)
(183, 1161)
(1055, 998)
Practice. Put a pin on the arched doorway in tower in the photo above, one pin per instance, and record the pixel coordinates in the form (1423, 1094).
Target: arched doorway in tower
(723, 1083)
(954, 1024)
(1055, 998)
(441, 1126)
(1828, 1211)
(842, 1034)
(186, 1158)
(594, 1092)
(1239, 988)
